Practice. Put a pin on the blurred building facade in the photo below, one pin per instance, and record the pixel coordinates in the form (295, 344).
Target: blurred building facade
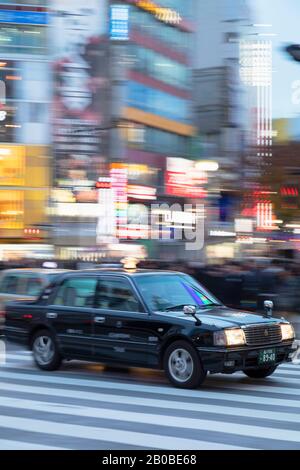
(25, 133)
(283, 181)
(152, 97)
(97, 125)
(220, 112)
(220, 109)
(122, 121)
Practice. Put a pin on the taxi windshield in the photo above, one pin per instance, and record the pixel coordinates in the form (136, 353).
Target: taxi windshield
(171, 292)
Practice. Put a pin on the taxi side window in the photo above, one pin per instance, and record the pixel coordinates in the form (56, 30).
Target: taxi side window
(33, 286)
(79, 292)
(10, 284)
(113, 294)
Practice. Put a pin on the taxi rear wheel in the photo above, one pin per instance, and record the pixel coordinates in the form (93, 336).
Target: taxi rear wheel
(182, 365)
(45, 350)
(260, 373)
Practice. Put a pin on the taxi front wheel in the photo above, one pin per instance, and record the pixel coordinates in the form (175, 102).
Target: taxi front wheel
(45, 351)
(260, 373)
(182, 365)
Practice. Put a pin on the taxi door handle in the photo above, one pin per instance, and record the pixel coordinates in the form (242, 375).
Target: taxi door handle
(99, 319)
(51, 315)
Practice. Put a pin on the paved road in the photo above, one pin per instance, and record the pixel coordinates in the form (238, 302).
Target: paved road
(84, 406)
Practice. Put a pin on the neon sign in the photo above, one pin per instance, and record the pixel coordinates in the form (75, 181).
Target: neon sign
(167, 15)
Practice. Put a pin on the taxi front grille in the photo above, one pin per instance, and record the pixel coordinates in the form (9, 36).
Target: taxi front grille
(262, 334)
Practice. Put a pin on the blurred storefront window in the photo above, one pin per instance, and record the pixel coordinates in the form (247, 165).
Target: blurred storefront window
(159, 67)
(11, 210)
(24, 39)
(27, 102)
(158, 141)
(12, 165)
(158, 102)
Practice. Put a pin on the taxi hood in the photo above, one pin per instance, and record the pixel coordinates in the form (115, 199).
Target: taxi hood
(230, 318)
(223, 317)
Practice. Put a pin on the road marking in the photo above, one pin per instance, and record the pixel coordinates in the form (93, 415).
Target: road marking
(270, 388)
(235, 379)
(147, 402)
(138, 439)
(289, 365)
(286, 372)
(155, 419)
(226, 384)
(225, 396)
(23, 354)
(18, 351)
(18, 356)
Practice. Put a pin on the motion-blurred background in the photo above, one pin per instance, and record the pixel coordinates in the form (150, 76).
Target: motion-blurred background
(108, 107)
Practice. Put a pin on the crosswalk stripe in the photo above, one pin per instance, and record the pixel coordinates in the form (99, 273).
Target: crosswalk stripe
(246, 430)
(250, 398)
(138, 439)
(18, 356)
(165, 390)
(270, 388)
(6, 444)
(239, 375)
(150, 402)
(148, 413)
(21, 352)
(25, 354)
(294, 367)
(290, 365)
(286, 372)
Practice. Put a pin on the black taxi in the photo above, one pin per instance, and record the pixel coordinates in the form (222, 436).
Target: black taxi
(161, 320)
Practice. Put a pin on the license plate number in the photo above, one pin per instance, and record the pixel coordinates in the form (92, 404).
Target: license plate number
(267, 356)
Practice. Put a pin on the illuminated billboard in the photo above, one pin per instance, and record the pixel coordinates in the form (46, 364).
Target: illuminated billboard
(183, 179)
(119, 22)
(164, 14)
(81, 88)
(12, 165)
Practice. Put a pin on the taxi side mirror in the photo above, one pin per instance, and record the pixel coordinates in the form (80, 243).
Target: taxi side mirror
(191, 310)
(268, 305)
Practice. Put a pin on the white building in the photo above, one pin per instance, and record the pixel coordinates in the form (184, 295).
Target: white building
(220, 98)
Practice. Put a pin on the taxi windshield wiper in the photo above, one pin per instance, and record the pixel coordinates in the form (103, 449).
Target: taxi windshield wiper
(198, 307)
(210, 304)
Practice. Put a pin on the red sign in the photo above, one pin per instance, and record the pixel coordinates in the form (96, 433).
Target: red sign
(183, 179)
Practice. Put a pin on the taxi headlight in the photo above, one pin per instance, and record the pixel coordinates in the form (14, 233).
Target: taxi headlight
(287, 331)
(230, 337)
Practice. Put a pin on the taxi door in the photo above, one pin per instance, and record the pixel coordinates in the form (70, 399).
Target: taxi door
(122, 329)
(71, 314)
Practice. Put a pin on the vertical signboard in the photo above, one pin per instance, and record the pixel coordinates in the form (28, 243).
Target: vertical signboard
(119, 182)
(119, 23)
(106, 228)
(81, 88)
